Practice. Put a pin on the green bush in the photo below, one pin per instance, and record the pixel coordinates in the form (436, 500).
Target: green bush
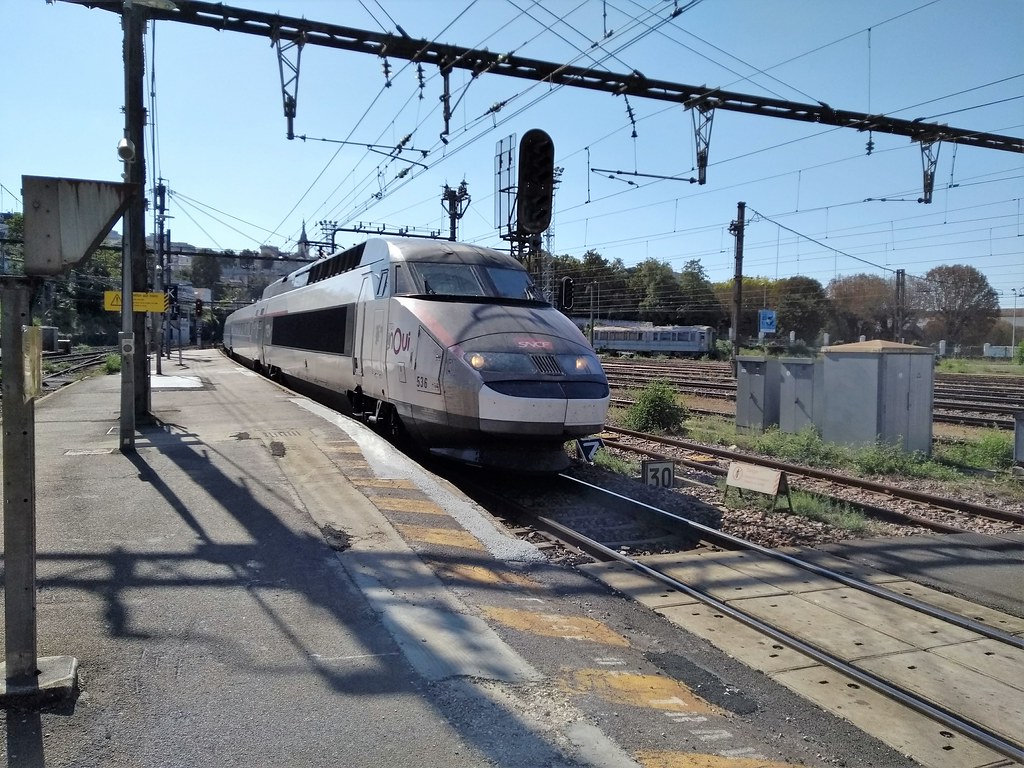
(1018, 354)
(993, 450)
(885, 459)
(804, 447)
(656, 409)
(112, 364)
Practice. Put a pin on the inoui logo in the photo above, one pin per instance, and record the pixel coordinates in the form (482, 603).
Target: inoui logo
(400, 341)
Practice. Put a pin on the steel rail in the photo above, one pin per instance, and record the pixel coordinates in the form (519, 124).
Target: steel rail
(954, 505)
(736, 542)
(91, 363)
(890, 515)
(939, 418)
(972, 730)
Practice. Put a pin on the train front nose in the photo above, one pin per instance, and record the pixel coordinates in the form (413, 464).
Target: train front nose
(541, 389)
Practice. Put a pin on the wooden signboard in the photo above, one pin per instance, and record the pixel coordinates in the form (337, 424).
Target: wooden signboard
(751, 477)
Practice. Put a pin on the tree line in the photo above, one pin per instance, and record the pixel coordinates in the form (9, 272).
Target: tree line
(951, 302)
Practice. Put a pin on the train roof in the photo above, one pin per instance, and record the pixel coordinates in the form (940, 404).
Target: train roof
(397, 249)
(418, 249)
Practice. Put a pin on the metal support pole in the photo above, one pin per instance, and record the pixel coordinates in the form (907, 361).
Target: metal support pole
(25, 679)
(593, 287)
(1018, 444)
(158, 275)
(133, 400)
(1013, 325)
(737, 285)
(19, 489)
(901, 301)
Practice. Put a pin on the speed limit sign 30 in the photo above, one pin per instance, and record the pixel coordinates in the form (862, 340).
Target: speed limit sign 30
(660, 473)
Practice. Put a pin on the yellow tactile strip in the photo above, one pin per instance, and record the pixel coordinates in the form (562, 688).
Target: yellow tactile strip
(492, 575)
(399, 500)
(421, 505)
(555, 625)
(649, 691)
(449, 537)
(656, 759)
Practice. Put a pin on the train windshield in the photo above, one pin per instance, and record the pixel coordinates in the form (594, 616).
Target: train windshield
(447, 280)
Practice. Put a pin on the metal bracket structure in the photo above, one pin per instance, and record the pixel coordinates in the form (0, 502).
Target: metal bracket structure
(289, 85)
(446, 100)
(929, 161)
(455, 203)
(703, 116)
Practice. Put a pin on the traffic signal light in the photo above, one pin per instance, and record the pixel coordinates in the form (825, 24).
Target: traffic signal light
(199, 306)
(536, 182)
(565, 298)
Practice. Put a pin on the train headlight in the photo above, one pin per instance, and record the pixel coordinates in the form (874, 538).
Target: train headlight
(505, 362)
(579, 364)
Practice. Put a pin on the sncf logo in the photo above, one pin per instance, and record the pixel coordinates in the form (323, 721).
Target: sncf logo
(533, 344)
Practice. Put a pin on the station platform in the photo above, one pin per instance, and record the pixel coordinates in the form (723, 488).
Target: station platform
(263, 582)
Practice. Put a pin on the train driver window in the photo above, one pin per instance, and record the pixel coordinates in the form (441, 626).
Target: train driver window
(513, 284)
(448, 280)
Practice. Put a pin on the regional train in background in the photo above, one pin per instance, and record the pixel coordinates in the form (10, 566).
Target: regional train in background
(671, 340)
(449, 343)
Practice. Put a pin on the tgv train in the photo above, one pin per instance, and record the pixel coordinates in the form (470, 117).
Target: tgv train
(674, 340)
(449, 343)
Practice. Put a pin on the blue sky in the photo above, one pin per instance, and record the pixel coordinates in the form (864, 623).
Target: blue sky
(238, 182)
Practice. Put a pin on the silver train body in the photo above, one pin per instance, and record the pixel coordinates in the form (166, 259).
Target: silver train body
(673, 340)
(449, 343)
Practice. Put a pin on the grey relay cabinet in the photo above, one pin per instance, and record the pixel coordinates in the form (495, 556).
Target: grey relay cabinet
(757, 393)
(800, 380)
(878, 390)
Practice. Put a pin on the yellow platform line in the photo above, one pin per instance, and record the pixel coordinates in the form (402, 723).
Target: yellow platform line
(398, 504)
(481, 575)
(656, 759)
(553, 625)
(444, 536)
(650, 691)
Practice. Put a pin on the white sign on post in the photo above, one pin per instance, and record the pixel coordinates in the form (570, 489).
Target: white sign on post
(659, 473)
(765, 480)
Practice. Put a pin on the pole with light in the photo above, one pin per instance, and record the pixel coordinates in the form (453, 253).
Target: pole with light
(1013, 324)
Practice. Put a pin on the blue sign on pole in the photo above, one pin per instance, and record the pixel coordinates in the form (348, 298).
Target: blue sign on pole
(766, 321)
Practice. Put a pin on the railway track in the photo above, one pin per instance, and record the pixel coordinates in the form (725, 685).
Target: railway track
(926, 501)
(672, 577)
(966, 408)
(964, 419)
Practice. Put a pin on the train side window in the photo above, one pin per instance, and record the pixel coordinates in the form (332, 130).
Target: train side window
(403, 282)
(382, 283)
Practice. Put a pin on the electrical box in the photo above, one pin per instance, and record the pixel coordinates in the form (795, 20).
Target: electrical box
(757, 393)
(879, 390)
(799, 381)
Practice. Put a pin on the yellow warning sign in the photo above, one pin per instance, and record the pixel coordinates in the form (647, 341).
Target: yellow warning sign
(149, 301)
